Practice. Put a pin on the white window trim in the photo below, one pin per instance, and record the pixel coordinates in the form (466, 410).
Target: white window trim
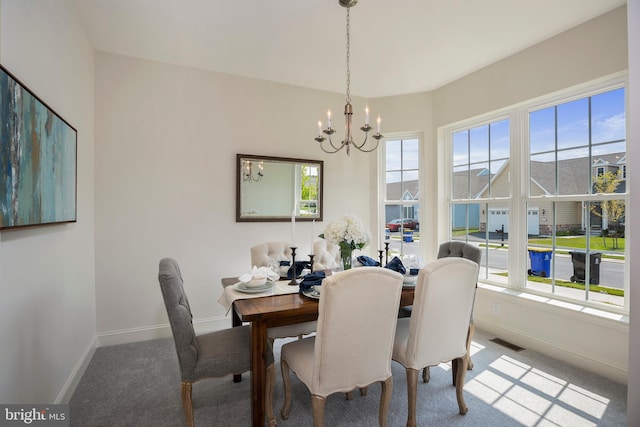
(382, 191)
(519, 145)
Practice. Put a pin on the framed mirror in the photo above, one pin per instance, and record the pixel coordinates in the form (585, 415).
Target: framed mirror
(271, 189)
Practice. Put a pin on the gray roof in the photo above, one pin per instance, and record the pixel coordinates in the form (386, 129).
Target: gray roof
(572, 174)
(469, 184)
(395, 190)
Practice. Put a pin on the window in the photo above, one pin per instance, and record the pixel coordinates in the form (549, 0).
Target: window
(553, 171)
(575, 152)
(400, 195)
(480, 190)
(307, 176)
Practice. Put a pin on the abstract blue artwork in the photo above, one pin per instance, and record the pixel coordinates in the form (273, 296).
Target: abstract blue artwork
(37, 160)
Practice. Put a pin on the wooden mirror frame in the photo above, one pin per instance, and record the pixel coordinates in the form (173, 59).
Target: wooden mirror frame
(281, 198)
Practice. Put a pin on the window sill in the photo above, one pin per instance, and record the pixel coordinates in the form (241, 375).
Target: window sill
(528, 297)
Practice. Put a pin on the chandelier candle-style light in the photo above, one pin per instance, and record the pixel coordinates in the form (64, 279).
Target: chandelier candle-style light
(247, 175)
(348, 111)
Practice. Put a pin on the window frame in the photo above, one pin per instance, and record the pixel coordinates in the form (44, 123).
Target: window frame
(520, 200)
(383, 201)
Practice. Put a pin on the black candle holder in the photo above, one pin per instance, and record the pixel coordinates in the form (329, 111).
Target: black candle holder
(386, 251)
(380, 251)
(294, 281)
(311, 261)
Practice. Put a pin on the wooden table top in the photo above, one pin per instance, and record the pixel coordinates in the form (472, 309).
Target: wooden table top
(288, 308)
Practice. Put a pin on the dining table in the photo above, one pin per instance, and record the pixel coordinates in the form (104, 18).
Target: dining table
(268, 310)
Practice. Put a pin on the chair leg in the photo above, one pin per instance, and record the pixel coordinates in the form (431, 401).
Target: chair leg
(426, 375)
(363, 392)
(317, 404)
(454, 371)
(412, 394)
(461, 372)
(268, 401)
(286, 382)
(472, 328)
(186, 402)
(385, 400)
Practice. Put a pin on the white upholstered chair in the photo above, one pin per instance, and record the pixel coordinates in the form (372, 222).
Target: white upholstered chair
(326, 255)
(437, 330)
(462, 250)
(349, 350)
(269, 254)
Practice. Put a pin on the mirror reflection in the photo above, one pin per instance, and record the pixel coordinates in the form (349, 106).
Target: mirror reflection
(278, 189)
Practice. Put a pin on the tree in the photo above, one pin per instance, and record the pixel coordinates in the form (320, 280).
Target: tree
(308, 188)
(611, 210)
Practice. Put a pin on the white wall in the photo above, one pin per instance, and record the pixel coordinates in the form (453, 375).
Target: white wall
(633, 155)
(407, 115)
(166, 139)
(166, 145)
(595, 49)
(47, 300)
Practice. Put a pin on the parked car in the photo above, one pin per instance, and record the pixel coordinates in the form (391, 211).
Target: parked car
(394, 225)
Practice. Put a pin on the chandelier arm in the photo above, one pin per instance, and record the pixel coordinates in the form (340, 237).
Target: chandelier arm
(337, 148)
(359, 147)
(365, 150)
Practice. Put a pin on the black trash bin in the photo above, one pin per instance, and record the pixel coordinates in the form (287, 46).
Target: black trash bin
(578, 259)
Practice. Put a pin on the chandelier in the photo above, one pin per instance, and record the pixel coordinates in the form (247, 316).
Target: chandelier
(348, 111)
(247, 175)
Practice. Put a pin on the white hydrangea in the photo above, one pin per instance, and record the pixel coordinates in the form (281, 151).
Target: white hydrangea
(347, 231)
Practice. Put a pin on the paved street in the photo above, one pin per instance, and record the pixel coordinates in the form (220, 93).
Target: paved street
(611, 271)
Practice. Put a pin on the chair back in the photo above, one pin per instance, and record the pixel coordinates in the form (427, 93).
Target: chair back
(270, 253)
(460, 249)
(179, 313)
(326, 255)
(355, 349)
(442, 307)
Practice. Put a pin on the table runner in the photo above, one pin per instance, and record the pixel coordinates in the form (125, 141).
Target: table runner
(230, 294)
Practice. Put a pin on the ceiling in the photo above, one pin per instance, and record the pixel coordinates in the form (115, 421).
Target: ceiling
(397, 46)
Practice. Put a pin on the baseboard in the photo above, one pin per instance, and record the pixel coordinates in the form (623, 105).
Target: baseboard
(77, 372)
(600, 367)
(125, 336)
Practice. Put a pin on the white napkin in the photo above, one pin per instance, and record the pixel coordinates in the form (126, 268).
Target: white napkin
(260, 272)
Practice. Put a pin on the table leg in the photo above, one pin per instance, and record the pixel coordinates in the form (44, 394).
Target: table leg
(235, 321)
(258, 372)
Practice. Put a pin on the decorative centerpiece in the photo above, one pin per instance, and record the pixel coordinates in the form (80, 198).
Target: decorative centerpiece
(349, 233)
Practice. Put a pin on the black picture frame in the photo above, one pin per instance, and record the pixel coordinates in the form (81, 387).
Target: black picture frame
(38, 159)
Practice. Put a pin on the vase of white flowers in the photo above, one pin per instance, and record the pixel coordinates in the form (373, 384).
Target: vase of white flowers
(350, 234)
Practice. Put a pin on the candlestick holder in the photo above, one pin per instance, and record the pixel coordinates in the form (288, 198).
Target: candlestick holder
(386, 251)
(311, 261)
(380, 251)
(294, 281)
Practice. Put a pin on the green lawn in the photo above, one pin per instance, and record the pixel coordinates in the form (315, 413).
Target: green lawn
(567, 284)
(580, 242)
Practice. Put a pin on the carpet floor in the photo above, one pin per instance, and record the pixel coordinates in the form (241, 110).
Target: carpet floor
(138, 385)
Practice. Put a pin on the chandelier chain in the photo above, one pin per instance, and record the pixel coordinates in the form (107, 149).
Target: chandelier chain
(348, 58)
(348, 141)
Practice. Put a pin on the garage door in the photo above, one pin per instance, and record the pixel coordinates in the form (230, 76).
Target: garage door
(499, 217)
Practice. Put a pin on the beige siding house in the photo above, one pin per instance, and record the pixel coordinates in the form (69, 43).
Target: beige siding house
(572, 178)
